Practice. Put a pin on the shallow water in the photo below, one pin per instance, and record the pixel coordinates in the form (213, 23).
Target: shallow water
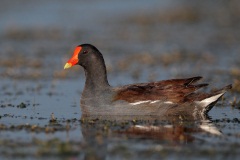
(144, 41)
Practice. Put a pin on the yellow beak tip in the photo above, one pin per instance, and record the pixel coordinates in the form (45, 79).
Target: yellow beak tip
(67, 65)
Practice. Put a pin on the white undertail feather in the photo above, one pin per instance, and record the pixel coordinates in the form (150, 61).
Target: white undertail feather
(210, 100)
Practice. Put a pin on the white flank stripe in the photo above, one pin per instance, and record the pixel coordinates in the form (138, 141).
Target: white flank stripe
(168, 102)
(155, 101)
(140, 102)
(151, 102)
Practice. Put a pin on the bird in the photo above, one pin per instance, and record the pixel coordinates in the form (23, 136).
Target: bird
(172, 97)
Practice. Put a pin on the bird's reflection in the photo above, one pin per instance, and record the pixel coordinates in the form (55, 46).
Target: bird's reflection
(173, 128)
(98, 132)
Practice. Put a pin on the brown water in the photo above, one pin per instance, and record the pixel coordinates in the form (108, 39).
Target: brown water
(143, 41)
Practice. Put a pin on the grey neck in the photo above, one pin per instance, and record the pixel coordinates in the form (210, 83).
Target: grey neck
(96, 77)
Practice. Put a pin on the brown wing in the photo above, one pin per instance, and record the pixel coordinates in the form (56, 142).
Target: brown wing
(174, 90)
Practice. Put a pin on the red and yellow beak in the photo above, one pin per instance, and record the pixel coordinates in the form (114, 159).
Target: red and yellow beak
(74, 60)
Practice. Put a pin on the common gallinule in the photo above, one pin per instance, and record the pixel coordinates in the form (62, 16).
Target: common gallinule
(168, 97)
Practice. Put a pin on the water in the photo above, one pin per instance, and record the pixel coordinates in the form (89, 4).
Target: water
(144, 41)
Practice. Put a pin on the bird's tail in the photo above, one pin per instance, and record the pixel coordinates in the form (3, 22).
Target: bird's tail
(210, 101)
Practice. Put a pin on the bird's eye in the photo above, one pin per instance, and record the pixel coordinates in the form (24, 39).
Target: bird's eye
(85, 52)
